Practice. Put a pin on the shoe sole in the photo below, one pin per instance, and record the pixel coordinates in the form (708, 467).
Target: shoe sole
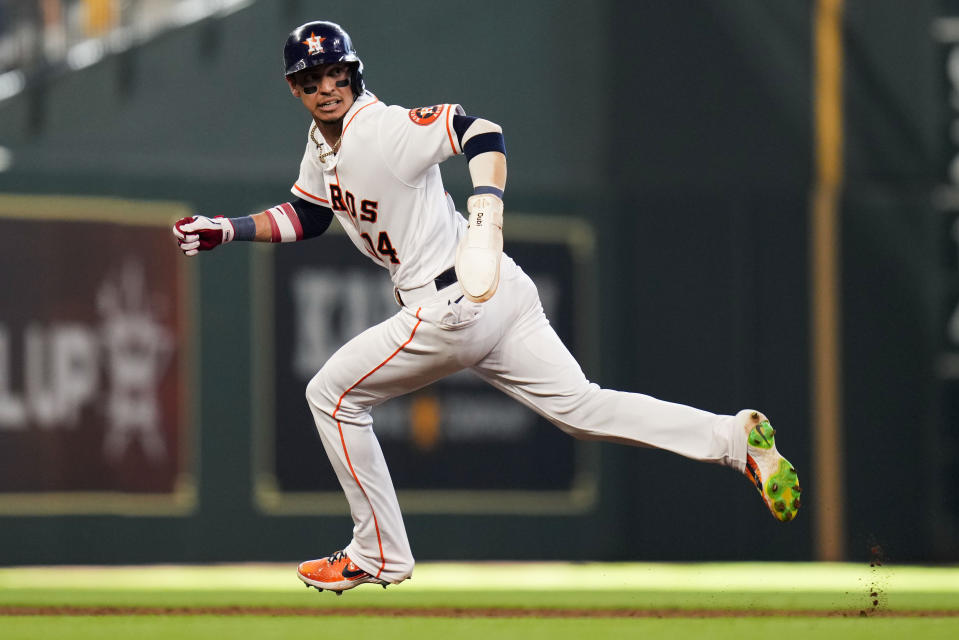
(339, 587)
(780, 490)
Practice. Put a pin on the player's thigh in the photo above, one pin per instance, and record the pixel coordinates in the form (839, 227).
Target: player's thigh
(533, 365)
(394, 357)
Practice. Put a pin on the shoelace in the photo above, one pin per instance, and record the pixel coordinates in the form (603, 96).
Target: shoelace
(336, 557)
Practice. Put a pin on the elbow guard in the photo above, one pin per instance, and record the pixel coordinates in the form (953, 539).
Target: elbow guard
(478, 256)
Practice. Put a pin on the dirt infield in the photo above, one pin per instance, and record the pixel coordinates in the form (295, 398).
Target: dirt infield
(463, 612)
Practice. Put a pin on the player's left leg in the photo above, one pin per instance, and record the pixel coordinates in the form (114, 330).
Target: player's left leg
(539, 371)
(531, 364)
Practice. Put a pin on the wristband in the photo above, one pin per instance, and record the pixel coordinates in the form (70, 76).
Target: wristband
(243, 228)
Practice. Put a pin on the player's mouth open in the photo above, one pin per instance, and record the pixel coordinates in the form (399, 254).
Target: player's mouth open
(329, 105)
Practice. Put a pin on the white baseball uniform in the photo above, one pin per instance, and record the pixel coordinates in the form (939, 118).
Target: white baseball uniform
(385, 188)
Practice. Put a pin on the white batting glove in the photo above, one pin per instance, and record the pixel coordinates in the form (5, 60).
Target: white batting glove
(199, 233)
(478, 256)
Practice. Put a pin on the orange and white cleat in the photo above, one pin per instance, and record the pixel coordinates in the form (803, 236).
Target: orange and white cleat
(336, 573)
(775, 478)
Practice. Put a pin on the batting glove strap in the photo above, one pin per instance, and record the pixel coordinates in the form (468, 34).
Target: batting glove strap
(478, 256)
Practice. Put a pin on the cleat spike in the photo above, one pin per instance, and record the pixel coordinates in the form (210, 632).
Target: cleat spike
(797, 489)
(780, 505)
(754, 415)
(796, 503)
(774, 487)
(384, 586)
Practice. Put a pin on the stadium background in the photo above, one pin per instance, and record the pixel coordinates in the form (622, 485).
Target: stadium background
(669, 155)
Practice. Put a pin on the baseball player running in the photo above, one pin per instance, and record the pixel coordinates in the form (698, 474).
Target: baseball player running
(463, 303)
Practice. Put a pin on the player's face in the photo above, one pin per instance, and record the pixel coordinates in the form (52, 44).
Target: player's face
(324, 90)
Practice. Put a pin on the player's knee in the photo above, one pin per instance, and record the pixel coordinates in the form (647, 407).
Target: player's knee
(318, 394)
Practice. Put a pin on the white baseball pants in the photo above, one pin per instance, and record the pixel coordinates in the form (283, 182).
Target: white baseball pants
(509, 342)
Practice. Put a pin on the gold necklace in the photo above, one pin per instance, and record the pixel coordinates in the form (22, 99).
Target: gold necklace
(333, 149)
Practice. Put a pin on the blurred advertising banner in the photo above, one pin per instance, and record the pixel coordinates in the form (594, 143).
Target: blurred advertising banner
(458, 445)
(92, 370)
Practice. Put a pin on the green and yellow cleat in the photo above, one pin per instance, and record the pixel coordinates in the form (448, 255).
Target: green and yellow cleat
(775, 478)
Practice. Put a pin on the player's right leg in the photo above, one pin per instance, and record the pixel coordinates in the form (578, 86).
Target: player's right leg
(397, 356)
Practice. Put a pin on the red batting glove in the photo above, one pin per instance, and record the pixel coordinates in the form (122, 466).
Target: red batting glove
(199, 233)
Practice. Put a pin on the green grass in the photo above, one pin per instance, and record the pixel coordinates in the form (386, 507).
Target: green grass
(758, 588)
(167, 627)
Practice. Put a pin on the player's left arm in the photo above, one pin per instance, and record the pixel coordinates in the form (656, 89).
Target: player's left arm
(287, 222)
(478, 256)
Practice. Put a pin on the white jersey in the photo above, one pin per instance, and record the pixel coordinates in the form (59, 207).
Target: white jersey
(385, 187)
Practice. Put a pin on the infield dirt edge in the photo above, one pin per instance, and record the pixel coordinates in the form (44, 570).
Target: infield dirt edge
(465, 612)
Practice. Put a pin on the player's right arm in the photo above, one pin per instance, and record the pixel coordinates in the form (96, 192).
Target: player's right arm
(287, 222)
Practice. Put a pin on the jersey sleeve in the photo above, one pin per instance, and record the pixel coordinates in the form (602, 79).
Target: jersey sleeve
(413, 140)
(310, 184)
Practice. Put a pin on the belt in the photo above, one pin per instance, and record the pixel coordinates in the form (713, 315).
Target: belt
(409, 297)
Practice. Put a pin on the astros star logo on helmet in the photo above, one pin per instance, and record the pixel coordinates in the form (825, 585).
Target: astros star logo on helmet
(314, 43)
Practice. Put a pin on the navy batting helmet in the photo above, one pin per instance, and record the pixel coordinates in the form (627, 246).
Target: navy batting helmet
(316, 43)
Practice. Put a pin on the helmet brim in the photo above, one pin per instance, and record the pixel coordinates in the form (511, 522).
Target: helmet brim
(318, 61)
